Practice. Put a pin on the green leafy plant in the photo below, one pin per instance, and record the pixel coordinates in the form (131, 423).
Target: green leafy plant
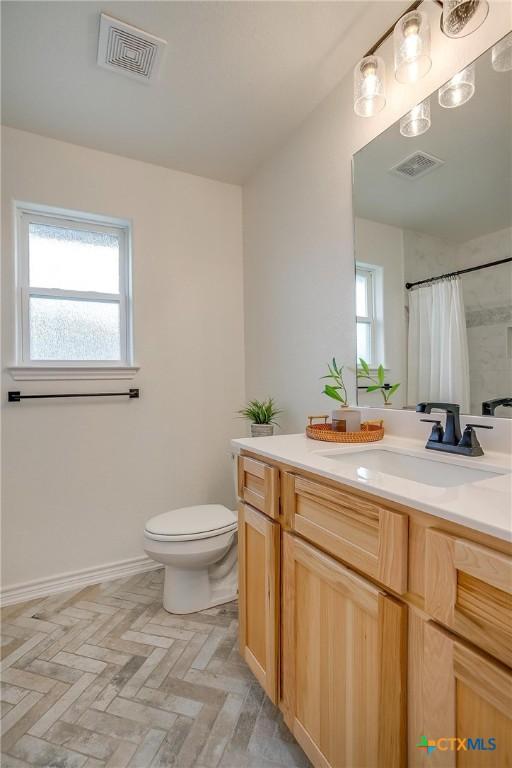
(337, 389)
(261, 412)
(379, 381)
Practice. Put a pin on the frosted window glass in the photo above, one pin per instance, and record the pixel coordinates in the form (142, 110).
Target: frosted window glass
(66, 329)
(73, 259)
(364, 341)
(361, 296)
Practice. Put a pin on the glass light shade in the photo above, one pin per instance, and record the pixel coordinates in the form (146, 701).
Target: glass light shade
(459, 89)
(502, 54)
(462, 17)
(369, 86)
(417, 121)
(411, 40)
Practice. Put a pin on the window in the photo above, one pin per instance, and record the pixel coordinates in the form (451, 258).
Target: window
(73, 284)
(365, 311)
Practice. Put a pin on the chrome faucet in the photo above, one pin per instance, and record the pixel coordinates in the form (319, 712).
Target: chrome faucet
(450, 438)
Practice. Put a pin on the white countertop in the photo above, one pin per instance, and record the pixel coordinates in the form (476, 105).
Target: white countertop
(485, 505)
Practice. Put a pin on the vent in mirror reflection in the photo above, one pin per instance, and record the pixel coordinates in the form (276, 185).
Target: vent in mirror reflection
(416, 165)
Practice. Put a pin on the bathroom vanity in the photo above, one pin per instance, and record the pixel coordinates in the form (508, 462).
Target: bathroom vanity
(375, 610)
(375, 582)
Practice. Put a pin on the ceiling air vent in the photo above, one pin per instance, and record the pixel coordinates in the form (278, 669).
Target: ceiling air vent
(128, 50)
(416, 165)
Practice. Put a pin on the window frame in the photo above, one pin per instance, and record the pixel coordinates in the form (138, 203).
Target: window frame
(370, 319)
(26, 214)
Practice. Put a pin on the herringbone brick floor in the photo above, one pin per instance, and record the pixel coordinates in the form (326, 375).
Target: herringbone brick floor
(105, 678)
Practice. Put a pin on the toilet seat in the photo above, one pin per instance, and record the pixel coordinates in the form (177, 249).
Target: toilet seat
(191, 523)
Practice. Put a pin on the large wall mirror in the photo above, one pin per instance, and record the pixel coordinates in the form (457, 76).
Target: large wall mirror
(427, 206)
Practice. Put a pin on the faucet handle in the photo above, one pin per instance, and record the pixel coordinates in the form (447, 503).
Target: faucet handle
(469, 440)
(437, 434)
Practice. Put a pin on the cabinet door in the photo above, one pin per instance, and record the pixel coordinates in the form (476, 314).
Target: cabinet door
(467, 700)
(258, 585)
(344, 663)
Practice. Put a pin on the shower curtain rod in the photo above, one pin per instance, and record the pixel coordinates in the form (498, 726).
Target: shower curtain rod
(458, 272)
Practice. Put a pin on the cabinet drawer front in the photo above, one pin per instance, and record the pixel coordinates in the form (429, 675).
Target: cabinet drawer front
(468, 588)
(371, 538)
(258, 485)
(258, 586)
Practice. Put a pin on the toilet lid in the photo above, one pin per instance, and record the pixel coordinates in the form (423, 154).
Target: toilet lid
(192, 522)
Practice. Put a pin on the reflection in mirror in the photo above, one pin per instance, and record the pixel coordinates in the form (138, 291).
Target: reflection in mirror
(428, 206)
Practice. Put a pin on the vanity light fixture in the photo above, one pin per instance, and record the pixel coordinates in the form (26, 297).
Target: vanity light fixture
(369, 73)
(462, 17)
(459, 89)
(411, 35)
(411, 40)
(501, 55)
(417, 121)
(369, 86)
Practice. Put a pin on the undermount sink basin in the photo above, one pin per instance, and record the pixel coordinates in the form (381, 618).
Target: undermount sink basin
(425, 471)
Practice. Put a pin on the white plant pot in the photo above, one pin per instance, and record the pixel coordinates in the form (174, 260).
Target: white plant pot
(262, 430)
(349, 420)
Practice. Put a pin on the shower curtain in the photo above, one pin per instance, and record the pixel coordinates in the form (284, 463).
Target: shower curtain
(438, 360)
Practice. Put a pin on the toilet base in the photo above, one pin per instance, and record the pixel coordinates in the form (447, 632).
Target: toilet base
(190, 591)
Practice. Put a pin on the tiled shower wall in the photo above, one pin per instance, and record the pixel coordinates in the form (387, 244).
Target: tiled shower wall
(487, 299)
(488, 302)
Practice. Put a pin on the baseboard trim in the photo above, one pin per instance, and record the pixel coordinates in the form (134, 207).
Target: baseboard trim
(19, 593)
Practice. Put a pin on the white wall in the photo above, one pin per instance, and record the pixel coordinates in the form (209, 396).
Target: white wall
(80, 478)
(298, 231)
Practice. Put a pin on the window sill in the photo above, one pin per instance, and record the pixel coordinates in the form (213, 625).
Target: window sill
(70, 373)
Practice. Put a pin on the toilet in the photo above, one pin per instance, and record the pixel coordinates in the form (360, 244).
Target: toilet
(197, 546)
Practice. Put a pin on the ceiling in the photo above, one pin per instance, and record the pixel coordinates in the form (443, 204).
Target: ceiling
(467, 197)
(238, 77)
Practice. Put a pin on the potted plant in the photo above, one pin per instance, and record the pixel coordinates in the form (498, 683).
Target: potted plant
(344, 419)
(262, 415)
(379, 381)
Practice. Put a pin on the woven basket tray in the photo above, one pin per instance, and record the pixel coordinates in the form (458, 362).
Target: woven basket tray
(371, 431)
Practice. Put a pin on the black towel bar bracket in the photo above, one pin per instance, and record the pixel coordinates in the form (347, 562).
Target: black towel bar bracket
(15, 397)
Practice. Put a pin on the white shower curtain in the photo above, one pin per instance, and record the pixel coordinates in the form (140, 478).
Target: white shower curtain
(438, 360)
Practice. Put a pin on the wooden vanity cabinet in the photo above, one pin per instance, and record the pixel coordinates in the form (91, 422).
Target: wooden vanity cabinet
(344, 662)
(359, 674)
(258, 587)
